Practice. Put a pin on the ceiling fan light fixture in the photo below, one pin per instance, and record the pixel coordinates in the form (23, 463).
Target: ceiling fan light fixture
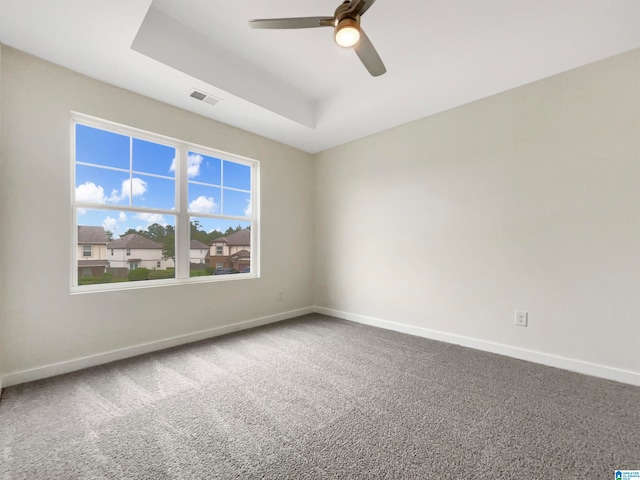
(347, 32)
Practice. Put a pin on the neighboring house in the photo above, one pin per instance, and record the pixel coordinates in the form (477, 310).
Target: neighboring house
(232, 251)
(199, 252)
(135, 251)
(92, 251)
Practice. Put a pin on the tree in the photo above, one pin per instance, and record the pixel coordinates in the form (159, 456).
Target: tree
(198, 233)
(168, 241)
(136, 232)
(211, 236)
(157, 232)
(109, 235)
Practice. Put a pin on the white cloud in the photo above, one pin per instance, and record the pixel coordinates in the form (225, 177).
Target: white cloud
(115, 196)
(247, 210)
(193, 165)
(113, 224)
(136, 187)
(151, 218)
(203, 204)
(90, 192)
(110, 224)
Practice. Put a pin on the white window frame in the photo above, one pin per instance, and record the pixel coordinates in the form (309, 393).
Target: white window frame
(181, 213)
(90, 251)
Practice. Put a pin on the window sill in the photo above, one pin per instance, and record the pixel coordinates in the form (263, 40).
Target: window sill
(123, 286)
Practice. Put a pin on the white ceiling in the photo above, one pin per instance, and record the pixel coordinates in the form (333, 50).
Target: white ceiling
(297, 86)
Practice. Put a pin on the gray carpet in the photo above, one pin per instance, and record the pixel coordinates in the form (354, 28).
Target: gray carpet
(317, 397)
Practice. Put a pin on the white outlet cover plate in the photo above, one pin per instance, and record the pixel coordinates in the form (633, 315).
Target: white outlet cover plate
(521, 318)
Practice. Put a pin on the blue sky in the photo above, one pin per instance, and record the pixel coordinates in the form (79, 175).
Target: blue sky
(138, 173)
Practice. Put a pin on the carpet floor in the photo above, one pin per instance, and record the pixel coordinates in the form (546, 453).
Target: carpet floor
(317, 397)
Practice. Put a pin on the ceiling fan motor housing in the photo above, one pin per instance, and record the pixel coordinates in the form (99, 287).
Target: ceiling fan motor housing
(342, 13)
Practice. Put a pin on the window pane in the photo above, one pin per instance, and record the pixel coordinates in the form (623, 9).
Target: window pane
(101, 147)
(204, 169)
(229, 246)
(237, 175)
(100, 185)
(203, 199)
(92, 239)
(152, 192)
(236, 203)
(123, 242)
(149, 157)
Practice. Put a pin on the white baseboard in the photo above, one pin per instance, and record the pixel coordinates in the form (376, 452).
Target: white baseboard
(573, 365)
(579, 366)
(127, 352)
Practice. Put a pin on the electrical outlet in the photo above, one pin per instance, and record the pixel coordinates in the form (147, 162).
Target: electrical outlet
(280, 295)
(521, 318)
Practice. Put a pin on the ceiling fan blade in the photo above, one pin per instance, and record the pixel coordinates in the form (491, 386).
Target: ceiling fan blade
(358, 7)
(369, 56)
(302, 22)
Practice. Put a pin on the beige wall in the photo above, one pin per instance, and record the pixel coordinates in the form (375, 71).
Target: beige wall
(43, 324)
(526, 200)
(3, 254)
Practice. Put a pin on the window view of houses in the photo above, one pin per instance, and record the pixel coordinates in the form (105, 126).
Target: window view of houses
(150, 254)
(128, 198)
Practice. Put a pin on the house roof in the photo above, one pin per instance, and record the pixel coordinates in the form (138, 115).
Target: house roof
(93, 263)
(242, 254)
(239, 238)
(197, 245)
(134, 240)
(91, 235)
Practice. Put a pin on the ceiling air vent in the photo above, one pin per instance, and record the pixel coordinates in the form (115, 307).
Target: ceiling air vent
(204, 97)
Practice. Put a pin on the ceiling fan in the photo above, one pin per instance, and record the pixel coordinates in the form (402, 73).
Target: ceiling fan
(347, 30)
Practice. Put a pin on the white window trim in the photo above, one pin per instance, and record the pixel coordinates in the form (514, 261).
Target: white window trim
(182, 224)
